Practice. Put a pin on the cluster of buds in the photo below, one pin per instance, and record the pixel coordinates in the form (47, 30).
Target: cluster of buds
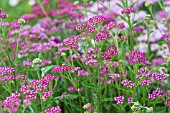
(36, 63)
(88, 107)
(12, 102)
(137, 108)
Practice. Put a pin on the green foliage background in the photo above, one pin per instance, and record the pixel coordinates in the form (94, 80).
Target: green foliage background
(17, 11)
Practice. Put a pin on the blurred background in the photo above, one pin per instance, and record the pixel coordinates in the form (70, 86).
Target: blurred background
(16, 8)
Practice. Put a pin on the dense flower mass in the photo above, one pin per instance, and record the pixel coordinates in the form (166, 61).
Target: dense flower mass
(5, 70)
(128, 84)
(111, 51)
(156, 93)
(85, 56)
(137, 57)
(72, 41)
(102, 35)
(62, 68)
(12, 102)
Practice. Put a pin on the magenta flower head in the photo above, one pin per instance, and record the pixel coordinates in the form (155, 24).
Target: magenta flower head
(110, 25)
(128, 11)
(130, 99)
(72, 89)
(156, 93)
(165, 35)
(124, 38)
(137, 57)
(159, 76)
(63, 68)
(47, 94)
(55, 109)
(3, 15)
(102, 35)
(119, 99)
(128, 84)
(5, 70)
(121, 25)
(111, 51)
(12, 102)
(167, 103)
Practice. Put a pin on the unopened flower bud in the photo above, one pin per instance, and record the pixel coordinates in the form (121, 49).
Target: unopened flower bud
(76, 2)
(148, 4)
(135, 106)
(21, 21)
(163, 20)
(149, 110)
(153, 22)
(86, 106)
(63, 54)
(36, 62)
(147, 17)
(57, 101)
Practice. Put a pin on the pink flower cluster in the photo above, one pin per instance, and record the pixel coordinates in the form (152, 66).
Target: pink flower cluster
(12, 77)
(130, 99)
(45, 62)
(12, 102)
(159, 76)
(31, 90)
(71, 42)
(111, 51)
(128, 11)
(102, 35)
(90, 58)
(6, 75)
(165, 36)
(137, 57)
(167, 103)
(3, 15)
(128, 84)
(46, 94)
(55, 109)
(83, 73)
(5, 70)
(58, 69)
(156, 93)
(119, 99)
(110, 25)
(31, 47)
(148, 77)
(93, 23)
(145, 75)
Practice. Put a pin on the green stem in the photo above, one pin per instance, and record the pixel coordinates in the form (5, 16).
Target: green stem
(23, 110)
(131, 35)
